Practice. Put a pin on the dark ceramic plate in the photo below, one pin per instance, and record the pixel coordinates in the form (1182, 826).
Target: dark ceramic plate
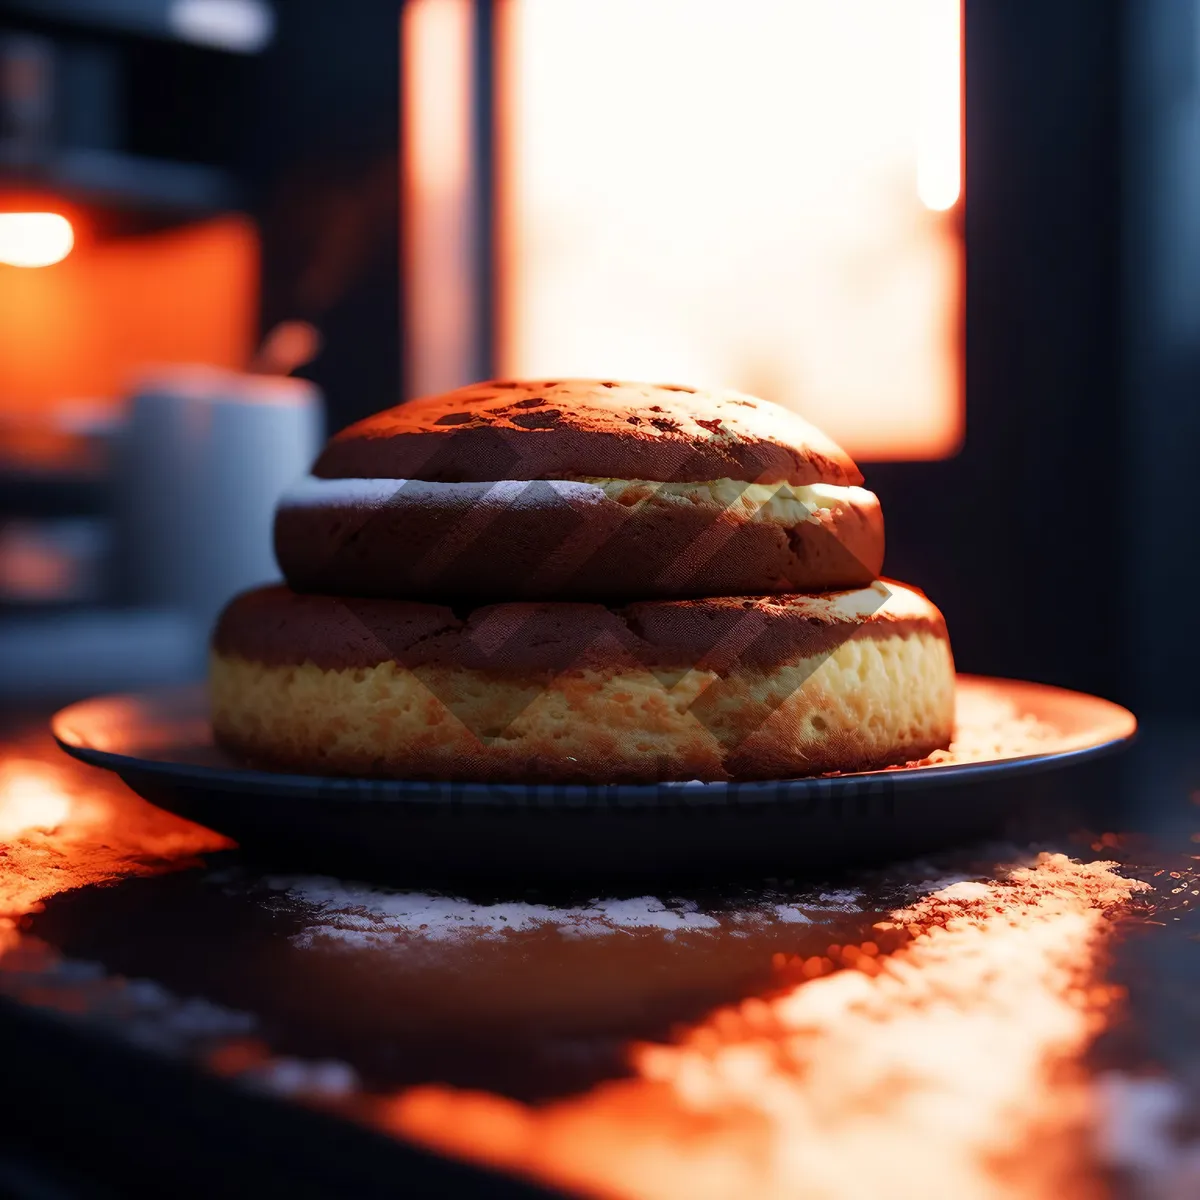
(1009, 733)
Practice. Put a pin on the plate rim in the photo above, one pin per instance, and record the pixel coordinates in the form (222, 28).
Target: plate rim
(578, 796)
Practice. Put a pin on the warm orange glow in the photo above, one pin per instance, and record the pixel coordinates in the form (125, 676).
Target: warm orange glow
(34, 239)
(30, 797)
(63, 827)
(288, 347)
(82, 330)
(939, 155)
(438, 240)
(724, 194)
(936, 1055)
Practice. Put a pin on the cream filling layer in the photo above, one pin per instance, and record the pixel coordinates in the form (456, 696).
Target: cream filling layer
(786, 503)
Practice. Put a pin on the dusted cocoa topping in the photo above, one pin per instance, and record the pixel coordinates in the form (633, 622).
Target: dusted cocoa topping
(563, 429)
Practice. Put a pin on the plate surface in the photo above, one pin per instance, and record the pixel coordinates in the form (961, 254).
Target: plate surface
(1008, 732)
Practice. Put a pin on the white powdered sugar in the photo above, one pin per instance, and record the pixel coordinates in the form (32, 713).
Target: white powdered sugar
(358, 915)
(790, 914)
(839, 901)
(312, 491)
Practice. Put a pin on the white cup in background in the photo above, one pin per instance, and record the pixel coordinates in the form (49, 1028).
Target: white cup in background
(202, 460)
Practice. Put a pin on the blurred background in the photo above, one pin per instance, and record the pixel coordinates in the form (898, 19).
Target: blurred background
(964, 240)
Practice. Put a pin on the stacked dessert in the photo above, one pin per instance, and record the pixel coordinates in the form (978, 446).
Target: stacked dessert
(582, 581)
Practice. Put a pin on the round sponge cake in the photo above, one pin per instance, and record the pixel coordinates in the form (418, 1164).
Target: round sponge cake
(713, 689)
(580, 490)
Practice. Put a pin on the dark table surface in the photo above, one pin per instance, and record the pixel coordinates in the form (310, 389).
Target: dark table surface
(1015, 1019)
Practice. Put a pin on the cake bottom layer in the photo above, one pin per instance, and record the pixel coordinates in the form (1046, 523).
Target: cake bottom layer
(882, 696)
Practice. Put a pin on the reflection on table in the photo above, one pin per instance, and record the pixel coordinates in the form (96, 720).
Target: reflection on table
(938, 1028)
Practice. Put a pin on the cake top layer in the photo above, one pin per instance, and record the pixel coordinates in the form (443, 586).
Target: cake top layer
(582, 428)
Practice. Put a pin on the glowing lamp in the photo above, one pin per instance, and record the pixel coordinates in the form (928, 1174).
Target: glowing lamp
(34, 239)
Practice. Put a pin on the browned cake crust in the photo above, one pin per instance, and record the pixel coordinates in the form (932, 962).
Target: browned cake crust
(732, 688)
(278, 627)
(580, 490)
(479, 542)
(568, 429)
